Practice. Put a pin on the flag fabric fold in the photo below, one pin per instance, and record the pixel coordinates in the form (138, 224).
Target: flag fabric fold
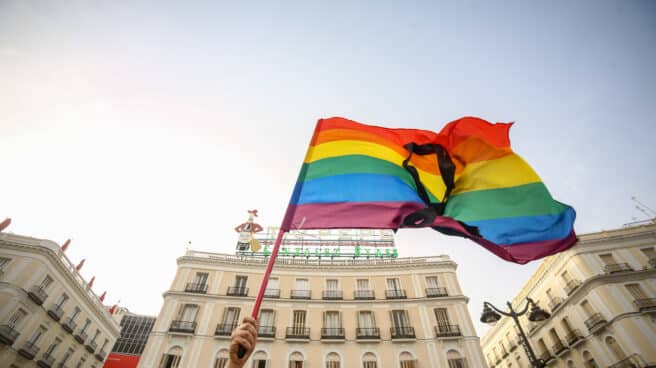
(464, 180)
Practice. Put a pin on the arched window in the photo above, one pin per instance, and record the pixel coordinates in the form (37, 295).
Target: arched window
(332, 360)
(296, 360)
(614, 347)
(172, 358)
(589, 361)
(455, 360)
(570, 364)
(369, 361)
(221, 360)
(260, 359)
(406, 360)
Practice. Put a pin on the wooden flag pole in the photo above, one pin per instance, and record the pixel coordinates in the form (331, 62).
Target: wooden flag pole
(265, 280)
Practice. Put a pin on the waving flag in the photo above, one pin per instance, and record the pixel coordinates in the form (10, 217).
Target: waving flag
(464, 180)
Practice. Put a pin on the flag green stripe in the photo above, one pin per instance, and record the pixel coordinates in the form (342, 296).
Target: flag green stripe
(523, 200)
(356, 164)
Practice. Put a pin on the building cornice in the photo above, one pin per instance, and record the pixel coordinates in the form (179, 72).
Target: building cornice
(51, 251)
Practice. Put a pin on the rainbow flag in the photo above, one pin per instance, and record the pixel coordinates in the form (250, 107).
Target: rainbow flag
(464, 180)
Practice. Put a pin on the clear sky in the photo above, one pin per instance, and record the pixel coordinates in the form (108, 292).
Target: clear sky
(135, 127)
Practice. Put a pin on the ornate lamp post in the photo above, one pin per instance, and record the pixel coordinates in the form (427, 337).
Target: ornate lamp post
(492, 314)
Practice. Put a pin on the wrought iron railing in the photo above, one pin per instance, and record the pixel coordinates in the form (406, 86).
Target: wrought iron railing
(69, 325)
(436, 292)
(558, 347)
(272, 293)
(595, 322)
(37, 294)
(617, 267)
(555, 303)
(182, 326)
(296, 332)
(332, 295)
(632, 361)
(395, 294)
(364, 295)
(8, 334)
(645, 304)
(55, 312)
(46, 361)
(237, 291)
(91, 346)
(81, 337)
(367, 333)
(402, 332)
(447, 330)
(29, 350)
(225, 329)
(198, 288)
(300, 294)
(571, 286)
(573, 337)
(266, 331)
(332, 333)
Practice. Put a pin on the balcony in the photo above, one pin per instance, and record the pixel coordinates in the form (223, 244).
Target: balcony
(632, 361)
(571, 286)
(91, 346)
(445, 330)
(617, 267)
(298, 333)
(332, 295)
(646, 305)
(237, 291)
(182, 326)
(29, 350)
(272, 293)
(300, 294)
(372, 333)
(332, 334)
(395, 294)
(652, 263)
(512, 345)
(402, 332)
(196, 288)
(69, 325)
(81, 337)
(364, 295)
(436, 292)
(555, 303)
(224, 329)
(559, 348)
(8, 334)
(55, 312)
(595, 323)
(37, 294)
(574, 337)
(266, 331)
(101, 356)
(46, 361)
(546, 357)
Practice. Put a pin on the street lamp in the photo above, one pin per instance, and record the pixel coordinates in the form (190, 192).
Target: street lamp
(492, 314)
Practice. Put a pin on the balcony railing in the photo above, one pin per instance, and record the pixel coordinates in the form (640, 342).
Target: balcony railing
(458, 363)
(55, 312)
(81, 337)
(555, 303)
(91, 346)
(37, 294)
(224, 329)
(298, 333)
(632, 361)
(367, 333)
(266, 331)
(395, 294)
(573, 337)
(46, 361)
(332, 295)
(445, 330)
(617, 267)
(197, 288)
(571, 286)
(643, 305)
(652, 262)
(364, 295)
(8, 334)
(183, 326)
(237, 291)
(546, 357)
(272, 293)
(404, 332)
(101, 356)
(512, 345)
(300, 294)
(559, 347)
(436, 292)
(332, 333)
(595, 323)
(29, 350)
(69, 325)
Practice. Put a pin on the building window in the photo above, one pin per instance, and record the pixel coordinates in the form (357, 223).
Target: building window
(362, 285)
(240, 282)
(273, 288)
(369, 361)
(67, 355)
(37, 335)
(172, 358)
(267, 323)
(188, 313)
(393, 284)
(3, 264)
(648, 252)
(616, 349)
(455, 360)
(589, 361)
(407, 361)
(298, 322)
(636, 291)
(134, 334)
(87, 322)
(296, 360)
(229, 321)
(62, 299)
(332, 361)
(332, 323)
(301, 289)
(221, 359)
(45, 283)
(366, 320)
(16, 318)
(260, 360)
(53, 346)
(201, 278)
(80, 364)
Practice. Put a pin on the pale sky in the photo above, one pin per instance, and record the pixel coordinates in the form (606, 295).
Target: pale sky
(134, 127)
